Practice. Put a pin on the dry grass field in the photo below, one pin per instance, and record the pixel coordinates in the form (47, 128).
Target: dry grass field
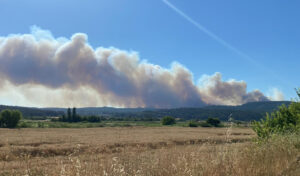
(163, 151)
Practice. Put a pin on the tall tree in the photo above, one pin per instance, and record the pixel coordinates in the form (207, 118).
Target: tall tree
(74, 115)
(69, 117)
(63, 118)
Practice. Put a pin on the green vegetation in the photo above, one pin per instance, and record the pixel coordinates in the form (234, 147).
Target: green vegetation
(215, 122)
(210, 122)
(168, 120)
(72, 116)
(285, 120)
(10, 118)
(193, 124)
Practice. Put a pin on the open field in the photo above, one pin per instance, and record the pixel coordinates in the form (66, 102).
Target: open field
(143, 151)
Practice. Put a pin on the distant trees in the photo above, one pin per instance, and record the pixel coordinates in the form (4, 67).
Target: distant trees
(72, 116)
(210, 122)
(193, 124)
(92, 119)
(69, 115)
(75, 117)
(168, 120)
(28, 113)
(10, 118)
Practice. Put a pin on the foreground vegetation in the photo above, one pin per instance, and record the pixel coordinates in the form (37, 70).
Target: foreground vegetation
(284, 121)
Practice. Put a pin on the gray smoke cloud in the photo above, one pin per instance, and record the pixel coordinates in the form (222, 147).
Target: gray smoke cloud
(48, 71)
(216, 91)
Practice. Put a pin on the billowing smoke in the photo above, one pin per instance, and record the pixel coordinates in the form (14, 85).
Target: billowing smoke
(40, 70)
(216, 91)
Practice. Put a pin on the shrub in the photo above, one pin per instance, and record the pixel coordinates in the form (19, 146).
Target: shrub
(193, 124)
(205, 124)
(168, 120)
(10, 118)
(93, 119)
(215, 122)
(284, 120)
(25, 125)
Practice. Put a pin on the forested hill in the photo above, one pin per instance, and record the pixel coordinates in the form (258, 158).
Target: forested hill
(33, 112)
(265, 106)
(246, 112)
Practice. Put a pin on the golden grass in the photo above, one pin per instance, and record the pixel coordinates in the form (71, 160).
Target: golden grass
(162, 151)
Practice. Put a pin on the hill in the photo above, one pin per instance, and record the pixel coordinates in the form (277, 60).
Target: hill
(33, 112)
(245, 112)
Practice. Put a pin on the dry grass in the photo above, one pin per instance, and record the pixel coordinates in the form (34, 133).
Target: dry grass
(144, 151)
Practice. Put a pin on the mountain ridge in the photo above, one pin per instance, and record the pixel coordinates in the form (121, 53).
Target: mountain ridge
(248, 111)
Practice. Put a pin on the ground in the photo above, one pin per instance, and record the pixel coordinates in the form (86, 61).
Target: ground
(132, 151)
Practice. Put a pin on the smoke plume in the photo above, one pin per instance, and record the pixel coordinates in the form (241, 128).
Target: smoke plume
(275, 94)
(40, 70)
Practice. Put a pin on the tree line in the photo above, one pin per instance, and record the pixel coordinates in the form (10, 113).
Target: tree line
(72, 116)
(32, 112)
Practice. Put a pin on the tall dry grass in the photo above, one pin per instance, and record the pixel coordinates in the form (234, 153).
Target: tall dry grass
(222, 152)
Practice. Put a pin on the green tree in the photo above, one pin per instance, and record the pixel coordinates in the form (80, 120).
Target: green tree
(285, 120)
(74, 115)
(69, 115)
(213, 122)
(63, 118)
(10, 118)
(168, 120)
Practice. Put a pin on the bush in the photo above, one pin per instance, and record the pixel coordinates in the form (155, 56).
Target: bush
(10, 118)
(93, 119)
(205, 124)
(168, 120)
(215, 122)
(193, 124)
(284, 120)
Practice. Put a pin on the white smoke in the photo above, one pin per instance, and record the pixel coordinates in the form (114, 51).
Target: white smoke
(275, 94)
(40, 70)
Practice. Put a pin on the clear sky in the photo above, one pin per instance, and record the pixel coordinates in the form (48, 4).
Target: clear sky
(268, 31)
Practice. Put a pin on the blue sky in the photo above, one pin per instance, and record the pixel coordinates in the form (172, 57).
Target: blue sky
(267, 31)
